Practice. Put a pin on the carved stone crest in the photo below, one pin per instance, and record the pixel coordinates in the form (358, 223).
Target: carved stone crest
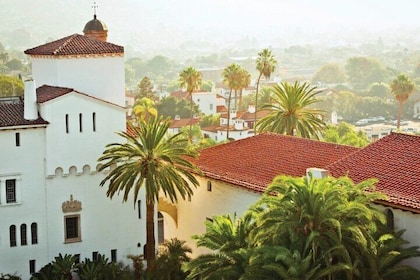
(71, 205)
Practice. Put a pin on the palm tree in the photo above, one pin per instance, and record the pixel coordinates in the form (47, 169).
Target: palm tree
(191, 79)
(291, 112)
(402, 88)
(266, 64)
(169, 262)
(244, 83)
(329, 219)
(228, 238)
(144, 109)
(232, 78)
(151, 160)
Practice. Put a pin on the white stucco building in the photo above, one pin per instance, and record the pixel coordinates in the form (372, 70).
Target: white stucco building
(50, 199)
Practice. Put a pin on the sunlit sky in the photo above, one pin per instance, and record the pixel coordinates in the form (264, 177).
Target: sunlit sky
(154, 22)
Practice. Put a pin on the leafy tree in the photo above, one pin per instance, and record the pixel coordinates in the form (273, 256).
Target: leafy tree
(380, 90)
(191, 80)
(159, 65)
(291, 113)
(265, 64)
(146, 89)
(402, 88)
(171, 107)
(363, 71)
(330, 73)
(232, 78)
(345, 134)
(209, 120)
(11, 86)
(148, 159)
(170, 260)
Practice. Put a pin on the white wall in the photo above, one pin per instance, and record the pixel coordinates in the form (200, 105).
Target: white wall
(223, 199)
(102, 77)
(77, 148)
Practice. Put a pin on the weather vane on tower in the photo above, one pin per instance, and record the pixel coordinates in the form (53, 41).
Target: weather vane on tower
(95, 6)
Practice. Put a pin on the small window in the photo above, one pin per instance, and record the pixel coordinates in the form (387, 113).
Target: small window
(211, 106)
(11, 191)
(67, 123)
(23, 239)
(209, 186)
(72, 229)
(94, 121)
(17, 139)
(12, 233)
(139, 208)
(80, 123)
(32, 267)
(389, 219)
(161, 229)
(94, 256)
(114, 255)
(77, 258)
(34, 233)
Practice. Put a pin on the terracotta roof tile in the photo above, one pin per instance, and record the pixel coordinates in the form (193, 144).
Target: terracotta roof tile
(254, 162)
(11, 114)
(45, 93)
(183, 122)
(76, 44)
(395, 161)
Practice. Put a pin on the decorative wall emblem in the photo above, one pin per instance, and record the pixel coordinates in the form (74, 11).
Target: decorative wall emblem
(71, 205)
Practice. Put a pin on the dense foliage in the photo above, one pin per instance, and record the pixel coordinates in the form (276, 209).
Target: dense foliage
(305, 228)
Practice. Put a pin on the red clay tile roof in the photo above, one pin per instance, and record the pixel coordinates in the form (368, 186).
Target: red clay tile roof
(395, 161)
(216, 128)
(221, 108)
(179, 94)
(254, 162)
(76, 45)
(45, 93)
(247, 116)
(183, 122)
(11, 114)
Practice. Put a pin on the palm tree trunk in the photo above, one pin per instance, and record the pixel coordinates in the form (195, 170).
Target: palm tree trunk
(150, 237)
(191, 117)
(228, 121)
(400, 109)
(256, 104)
(240, 98)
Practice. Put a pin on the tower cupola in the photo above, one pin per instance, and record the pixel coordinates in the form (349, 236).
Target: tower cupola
(96, 28)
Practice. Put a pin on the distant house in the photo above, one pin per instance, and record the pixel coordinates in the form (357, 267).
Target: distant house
(177, 124)
(207, 102)
(241, 125)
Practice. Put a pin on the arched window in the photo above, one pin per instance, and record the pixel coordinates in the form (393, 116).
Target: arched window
(12, 232)
(34, 233)
(161, 229)
(389, 219)
(23, 240)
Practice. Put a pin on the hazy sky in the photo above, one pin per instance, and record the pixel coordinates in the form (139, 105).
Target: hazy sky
(150, 23)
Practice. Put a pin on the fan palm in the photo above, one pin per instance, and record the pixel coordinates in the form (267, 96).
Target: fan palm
(151, 160)
(232, 78)
(244, 83)
(402, 88)
(144, 109)
(266, 64)
(171, 259)
(291, 112)
(191, 79)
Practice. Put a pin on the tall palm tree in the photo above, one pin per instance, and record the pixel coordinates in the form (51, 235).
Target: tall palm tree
(232, 78)
(152, 161)
(402, 88)
(291, 112)
(266, 64)
(244, 83)
(191, 79)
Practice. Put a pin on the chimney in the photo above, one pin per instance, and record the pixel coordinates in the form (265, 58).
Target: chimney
(251, 108)
(30, 106)
(317, 173)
